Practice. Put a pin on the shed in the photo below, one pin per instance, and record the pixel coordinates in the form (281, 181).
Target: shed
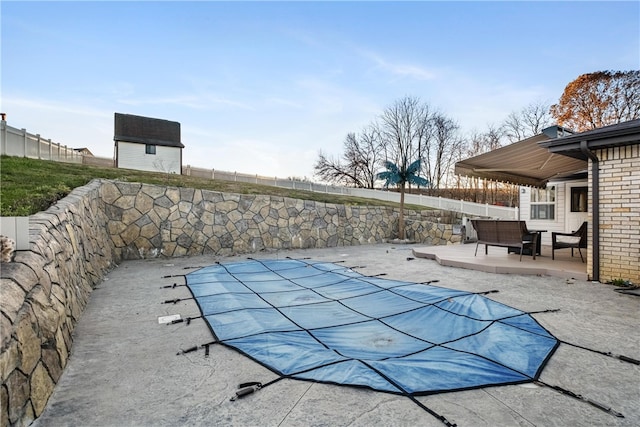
(148, 144)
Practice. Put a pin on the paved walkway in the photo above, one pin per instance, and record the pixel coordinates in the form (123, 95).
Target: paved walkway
(125, 371)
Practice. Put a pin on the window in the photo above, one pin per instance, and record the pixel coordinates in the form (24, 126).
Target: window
(579, 199)
(543, 203)
(150, 149)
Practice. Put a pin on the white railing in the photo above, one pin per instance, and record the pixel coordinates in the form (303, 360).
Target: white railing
(20, 143)
(467, 208)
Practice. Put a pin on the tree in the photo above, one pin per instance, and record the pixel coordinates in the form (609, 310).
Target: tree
(406, 131)
(443, 149)
(529, 121)
(401, 176)
(480, 143)
(361, 159)
(599, 99)
(404, 127)
(483, 142)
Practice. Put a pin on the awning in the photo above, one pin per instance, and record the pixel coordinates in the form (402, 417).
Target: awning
(523, 163)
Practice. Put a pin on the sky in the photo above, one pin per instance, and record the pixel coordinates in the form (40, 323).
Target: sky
(261, 87)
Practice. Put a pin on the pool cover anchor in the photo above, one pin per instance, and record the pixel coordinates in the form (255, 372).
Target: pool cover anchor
(197, 347)
(246, 389)
(580, 397)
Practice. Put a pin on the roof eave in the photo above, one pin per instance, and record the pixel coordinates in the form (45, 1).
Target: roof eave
(609, 137)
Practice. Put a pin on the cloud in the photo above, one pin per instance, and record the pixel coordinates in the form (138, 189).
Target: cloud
(398, 69)
(283, 102)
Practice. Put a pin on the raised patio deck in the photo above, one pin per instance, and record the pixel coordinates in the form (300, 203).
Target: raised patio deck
(499, 261)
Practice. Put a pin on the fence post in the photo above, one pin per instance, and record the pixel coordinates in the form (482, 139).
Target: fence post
(486, 209)
(38, 142)
(24, 144)
(3, 137)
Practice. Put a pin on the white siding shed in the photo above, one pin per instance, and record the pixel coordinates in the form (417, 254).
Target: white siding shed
(147, 144)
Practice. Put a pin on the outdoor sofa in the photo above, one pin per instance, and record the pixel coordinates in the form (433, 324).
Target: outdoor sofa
(505, 233)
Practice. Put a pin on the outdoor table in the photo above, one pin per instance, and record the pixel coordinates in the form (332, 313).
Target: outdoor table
(527, 251)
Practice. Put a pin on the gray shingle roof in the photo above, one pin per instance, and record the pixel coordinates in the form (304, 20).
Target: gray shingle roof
(146, 130)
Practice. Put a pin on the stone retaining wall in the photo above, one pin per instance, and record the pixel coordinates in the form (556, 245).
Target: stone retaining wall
(74, 243)
(148, 221)
(44, 292)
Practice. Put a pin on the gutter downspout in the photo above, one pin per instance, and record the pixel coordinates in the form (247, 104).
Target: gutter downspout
(595, 184)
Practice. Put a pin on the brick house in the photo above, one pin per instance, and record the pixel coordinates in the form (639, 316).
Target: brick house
(568, 178)
(613, 156)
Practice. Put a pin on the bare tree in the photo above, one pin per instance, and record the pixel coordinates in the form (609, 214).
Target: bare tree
(404, 129)
(483, 142)
(405, 132)
(599, 99)
(331, 169)
(443, 149)
(360, 161)
(364, 153)
(480, 143)
(527, 122)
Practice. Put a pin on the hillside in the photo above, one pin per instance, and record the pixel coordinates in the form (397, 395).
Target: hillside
(28, 185)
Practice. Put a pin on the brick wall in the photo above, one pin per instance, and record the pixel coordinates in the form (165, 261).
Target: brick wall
(619, 213)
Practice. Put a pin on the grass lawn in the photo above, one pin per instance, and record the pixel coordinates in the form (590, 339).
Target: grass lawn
(28, 186)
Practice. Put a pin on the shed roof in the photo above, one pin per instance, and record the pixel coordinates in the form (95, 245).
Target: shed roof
(146, 130)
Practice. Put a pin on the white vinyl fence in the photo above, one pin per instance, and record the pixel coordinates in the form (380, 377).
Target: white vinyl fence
(467, 208)
(20, 143)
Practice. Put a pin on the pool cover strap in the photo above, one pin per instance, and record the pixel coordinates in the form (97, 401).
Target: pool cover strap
(322, 322)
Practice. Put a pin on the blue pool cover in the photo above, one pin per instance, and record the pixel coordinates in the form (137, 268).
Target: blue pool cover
(320, 321)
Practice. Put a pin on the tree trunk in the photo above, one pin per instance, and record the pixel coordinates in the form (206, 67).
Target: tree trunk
(401, 217)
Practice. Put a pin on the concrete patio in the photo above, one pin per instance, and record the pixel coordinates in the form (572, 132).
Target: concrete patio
(498, 260)
(125, 371)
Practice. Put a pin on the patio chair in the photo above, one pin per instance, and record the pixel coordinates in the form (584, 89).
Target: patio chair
(577, 240)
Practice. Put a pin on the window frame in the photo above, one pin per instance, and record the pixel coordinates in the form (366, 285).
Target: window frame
(543, 204)
(150, 149)
(579, 199)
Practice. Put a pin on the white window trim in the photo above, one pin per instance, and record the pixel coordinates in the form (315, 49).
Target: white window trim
(534, 203)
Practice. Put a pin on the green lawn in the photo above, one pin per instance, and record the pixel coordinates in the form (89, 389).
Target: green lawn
(28, 186)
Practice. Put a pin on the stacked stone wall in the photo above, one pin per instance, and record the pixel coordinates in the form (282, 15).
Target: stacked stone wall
(44, 292)
(76, 242)
(148, 221)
